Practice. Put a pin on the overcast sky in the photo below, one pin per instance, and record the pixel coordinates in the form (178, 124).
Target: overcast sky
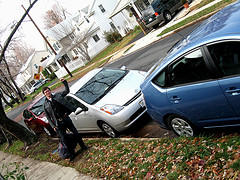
(11, 10)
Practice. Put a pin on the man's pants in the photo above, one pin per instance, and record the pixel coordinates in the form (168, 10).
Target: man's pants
(62, 127)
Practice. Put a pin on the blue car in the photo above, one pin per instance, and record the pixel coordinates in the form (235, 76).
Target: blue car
(197, 85)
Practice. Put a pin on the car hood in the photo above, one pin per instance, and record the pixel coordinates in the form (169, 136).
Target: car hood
(125, 90)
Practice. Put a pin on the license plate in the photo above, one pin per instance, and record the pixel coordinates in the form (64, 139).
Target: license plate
(150, 19)
(142, 103)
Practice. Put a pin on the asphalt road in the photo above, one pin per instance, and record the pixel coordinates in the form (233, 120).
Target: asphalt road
(143, 60)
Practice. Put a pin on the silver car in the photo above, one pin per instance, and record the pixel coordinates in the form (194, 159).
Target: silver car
(107, 100)
(38, 84)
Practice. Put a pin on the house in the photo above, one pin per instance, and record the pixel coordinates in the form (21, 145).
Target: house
(80, 37)
(75, 41)
(25, 78)
(104, 15)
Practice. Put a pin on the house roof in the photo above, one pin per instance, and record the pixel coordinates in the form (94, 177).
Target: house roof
(30, 59)
(122, 4)
(64, 28)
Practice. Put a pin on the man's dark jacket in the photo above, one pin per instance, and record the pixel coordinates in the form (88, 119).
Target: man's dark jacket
(60, 98)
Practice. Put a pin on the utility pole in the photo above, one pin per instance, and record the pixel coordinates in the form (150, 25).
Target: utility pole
(45, 39)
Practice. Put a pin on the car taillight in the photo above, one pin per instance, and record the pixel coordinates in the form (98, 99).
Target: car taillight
(156, 14)
(143, 21)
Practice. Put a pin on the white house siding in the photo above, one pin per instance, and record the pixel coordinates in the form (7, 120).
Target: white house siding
(102, 19)
(96, 47)
(124, 24)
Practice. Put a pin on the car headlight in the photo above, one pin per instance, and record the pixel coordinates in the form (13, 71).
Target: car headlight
(111, 108)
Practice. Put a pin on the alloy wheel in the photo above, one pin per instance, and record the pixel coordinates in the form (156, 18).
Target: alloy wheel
(181, 127)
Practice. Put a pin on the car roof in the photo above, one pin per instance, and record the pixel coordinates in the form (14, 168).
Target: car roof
(83, 80)
(223, 25)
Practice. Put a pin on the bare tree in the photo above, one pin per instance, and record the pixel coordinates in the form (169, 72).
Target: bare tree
(54, 16)
(18, 55)
(80, 42)
(7, 126)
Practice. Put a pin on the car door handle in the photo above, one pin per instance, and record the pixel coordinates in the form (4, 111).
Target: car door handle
(175, 99)
(233, 92)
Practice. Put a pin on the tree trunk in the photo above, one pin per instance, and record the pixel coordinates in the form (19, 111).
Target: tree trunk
(15, 129)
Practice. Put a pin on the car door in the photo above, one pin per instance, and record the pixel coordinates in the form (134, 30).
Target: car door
(226, 56)
(83, 121)
(194, 94)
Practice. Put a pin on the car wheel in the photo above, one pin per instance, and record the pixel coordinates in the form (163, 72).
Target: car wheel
(155, 26)
(109, 130)
(181, 127)
(167, 16)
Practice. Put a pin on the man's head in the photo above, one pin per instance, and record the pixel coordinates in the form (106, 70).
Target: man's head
(47, 92)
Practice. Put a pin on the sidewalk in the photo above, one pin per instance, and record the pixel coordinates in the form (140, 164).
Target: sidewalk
(39, 170)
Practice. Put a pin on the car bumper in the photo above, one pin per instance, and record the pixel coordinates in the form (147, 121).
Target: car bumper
(156, 21)
(126, 117)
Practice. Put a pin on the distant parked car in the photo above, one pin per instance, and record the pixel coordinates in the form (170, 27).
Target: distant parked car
(197, 85)
(107, 100)
(38, 84)
(160, 10)
(35, 119)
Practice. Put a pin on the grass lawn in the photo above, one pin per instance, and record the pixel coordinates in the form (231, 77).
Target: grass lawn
(214, 157)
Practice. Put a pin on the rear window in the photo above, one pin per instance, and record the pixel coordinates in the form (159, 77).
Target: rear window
(37, 109)
(100, 85)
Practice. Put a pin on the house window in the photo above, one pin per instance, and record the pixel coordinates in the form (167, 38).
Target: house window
(50, 51)
(113, 26)
(75, 51)
(86, 19)
(146, 2)
(96, 38)
(72, 36)
(102, 8)
(58, 45)
(55, 47)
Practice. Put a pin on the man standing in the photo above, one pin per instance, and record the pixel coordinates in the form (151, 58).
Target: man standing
(57, 109)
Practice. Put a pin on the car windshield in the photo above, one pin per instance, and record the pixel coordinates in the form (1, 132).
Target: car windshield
(99, 85)
(37, 109)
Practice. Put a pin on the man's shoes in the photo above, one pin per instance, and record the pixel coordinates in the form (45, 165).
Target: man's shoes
(72, 156)
(85, 148)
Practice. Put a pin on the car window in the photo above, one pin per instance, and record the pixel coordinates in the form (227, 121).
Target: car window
(100, 84)
(160, 79)
(37, 109)
(190, 68)
(75, 102)
(226, 56)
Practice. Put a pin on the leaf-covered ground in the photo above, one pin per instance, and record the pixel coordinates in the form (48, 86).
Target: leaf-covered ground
(215, 157)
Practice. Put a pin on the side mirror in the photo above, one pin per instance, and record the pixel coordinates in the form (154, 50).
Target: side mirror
(123, 68)
(78, 111)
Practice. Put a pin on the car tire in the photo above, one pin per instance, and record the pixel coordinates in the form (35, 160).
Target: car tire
(167, 16)
(109, 130)
(155, 26)
(181, 127)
